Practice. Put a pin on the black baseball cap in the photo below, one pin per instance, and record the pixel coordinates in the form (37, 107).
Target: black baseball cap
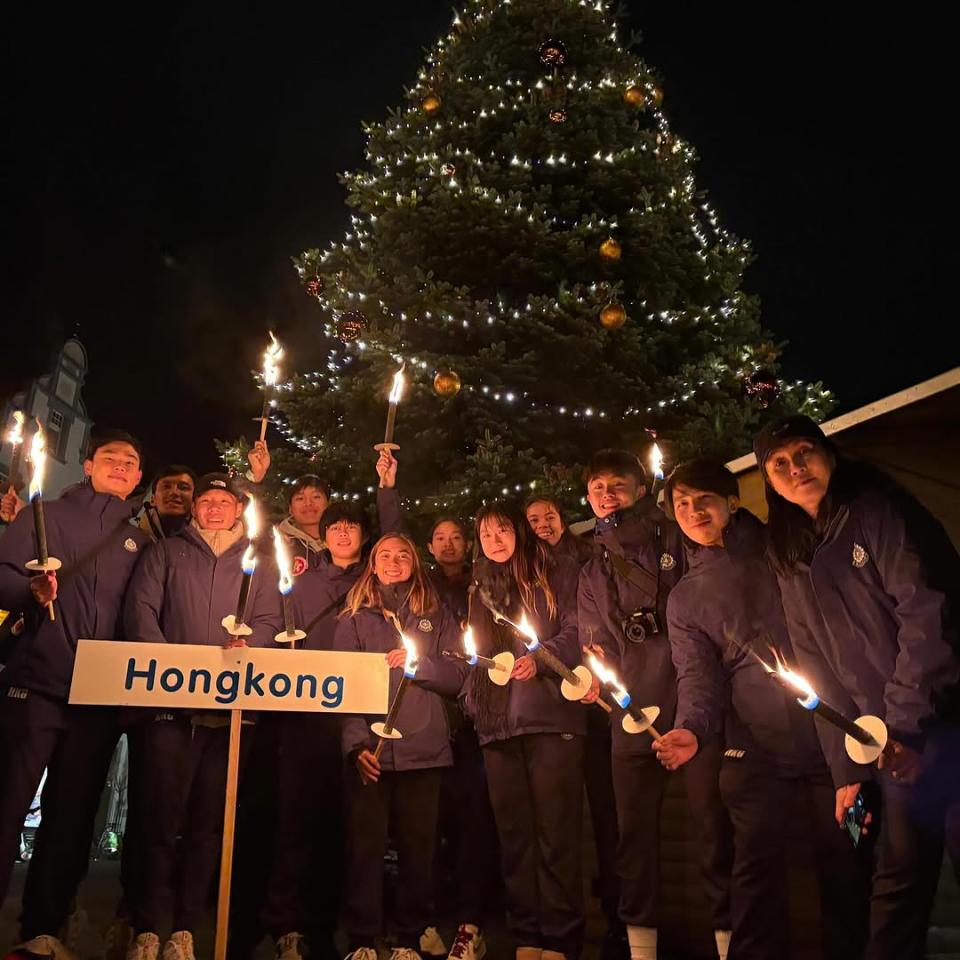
(216, 481)
(778, 432)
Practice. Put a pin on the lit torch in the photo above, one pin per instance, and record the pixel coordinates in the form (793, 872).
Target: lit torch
(15, 439)
(235, 624)
(290, 634)
(866, 737)
(635, 719)
(498, 668)
(38, 460)
(656, 462)
(396, 392)
(574, 684)
(387, 729)
(271, 374)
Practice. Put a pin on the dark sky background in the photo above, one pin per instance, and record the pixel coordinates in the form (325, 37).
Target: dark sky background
(162, 165)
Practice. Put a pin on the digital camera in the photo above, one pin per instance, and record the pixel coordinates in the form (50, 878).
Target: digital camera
(640, 625)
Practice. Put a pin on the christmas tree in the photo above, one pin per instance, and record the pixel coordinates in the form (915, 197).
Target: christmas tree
(528, 240)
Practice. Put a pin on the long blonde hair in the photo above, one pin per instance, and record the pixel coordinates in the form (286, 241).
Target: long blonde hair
(422, 598)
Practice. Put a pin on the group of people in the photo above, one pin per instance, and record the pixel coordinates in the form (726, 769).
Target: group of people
(687, 598)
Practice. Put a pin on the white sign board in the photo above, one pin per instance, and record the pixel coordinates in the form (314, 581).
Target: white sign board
(171, 675)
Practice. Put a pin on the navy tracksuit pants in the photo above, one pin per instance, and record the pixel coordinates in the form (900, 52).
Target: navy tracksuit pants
(536, 788)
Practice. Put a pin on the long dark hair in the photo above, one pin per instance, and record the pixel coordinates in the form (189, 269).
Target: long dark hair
(793, 534)
(531, 561)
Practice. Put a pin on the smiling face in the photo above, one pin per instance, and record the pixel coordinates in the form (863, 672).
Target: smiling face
(393, 561)
(702, 515)
(448, 545)
(114, 468)
(307, 506)
(609, 492)
(216, 510)
(344, 540)
(800, 472)
(173, 495)
(498, 539)
(545, 521)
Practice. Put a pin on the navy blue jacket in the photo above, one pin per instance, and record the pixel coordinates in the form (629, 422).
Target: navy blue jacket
(873, 617)
(723, 614)
(92, 534)
(581, 549)
(453, 592)
(536, 705)
(320, 582)
(646, 538)
(181, 591)
(422, 718)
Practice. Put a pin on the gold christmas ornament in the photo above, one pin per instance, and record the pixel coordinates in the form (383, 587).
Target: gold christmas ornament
(613, 316)
(430, 103)
(635, 96)
(610, 249)
(446, 384)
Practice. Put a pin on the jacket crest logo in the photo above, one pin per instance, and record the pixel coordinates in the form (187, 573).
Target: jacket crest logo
(299, 566)
(130, 545)
(425, 626)
(667, 562)
(860, 557)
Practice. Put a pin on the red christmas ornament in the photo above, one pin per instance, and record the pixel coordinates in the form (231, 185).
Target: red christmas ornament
(763, 386)
(350, 326)
(314, 286)
(553, 53)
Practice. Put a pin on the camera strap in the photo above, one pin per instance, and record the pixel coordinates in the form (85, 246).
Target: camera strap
(636, 575)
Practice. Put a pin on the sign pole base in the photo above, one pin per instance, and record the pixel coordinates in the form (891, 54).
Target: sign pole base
(229, 825)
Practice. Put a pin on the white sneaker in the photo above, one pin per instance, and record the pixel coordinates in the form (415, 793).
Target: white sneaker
(146, 946)
(468, 943)
(431, 943)
(407, 953)
(288, 947)
(364, 953)
(45, 946)
(179, 946)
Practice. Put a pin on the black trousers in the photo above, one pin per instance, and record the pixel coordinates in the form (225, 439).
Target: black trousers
(303, 890)
(910, 850)
(474, 831)
(133, 857)
(536, 788)
(639, 781)
(75, 744)
(185, 778)
(758, 798)
(598, 768)
(404, 806)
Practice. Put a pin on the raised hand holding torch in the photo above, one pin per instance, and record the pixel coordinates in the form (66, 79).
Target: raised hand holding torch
(43, 563)
(396, 393)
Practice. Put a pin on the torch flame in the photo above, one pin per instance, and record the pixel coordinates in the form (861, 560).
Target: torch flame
(38, 457)
(469, 645)
(801, 684)
(283, 562)
(251, 518)
(15, 433)
(527, 630)
(607, 676)
(271, 357)
(397, 391)
(656, 462)
(411, 663)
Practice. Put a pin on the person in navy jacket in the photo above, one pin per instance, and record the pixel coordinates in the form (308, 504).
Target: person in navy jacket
(546, 519)
(622, 608)
(532, 738)
(870, 586)
(396, 795)
(89, 529)
(726, 622)
(182, 589)
(299, 900)
(467, 819)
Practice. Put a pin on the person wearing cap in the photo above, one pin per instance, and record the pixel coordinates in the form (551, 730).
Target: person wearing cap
(725, 622)
(181, 591)
(89, 531)
(329, 542)
(622, 607)
(870, 583)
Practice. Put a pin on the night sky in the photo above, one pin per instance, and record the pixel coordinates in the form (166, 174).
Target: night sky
(161, 167)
